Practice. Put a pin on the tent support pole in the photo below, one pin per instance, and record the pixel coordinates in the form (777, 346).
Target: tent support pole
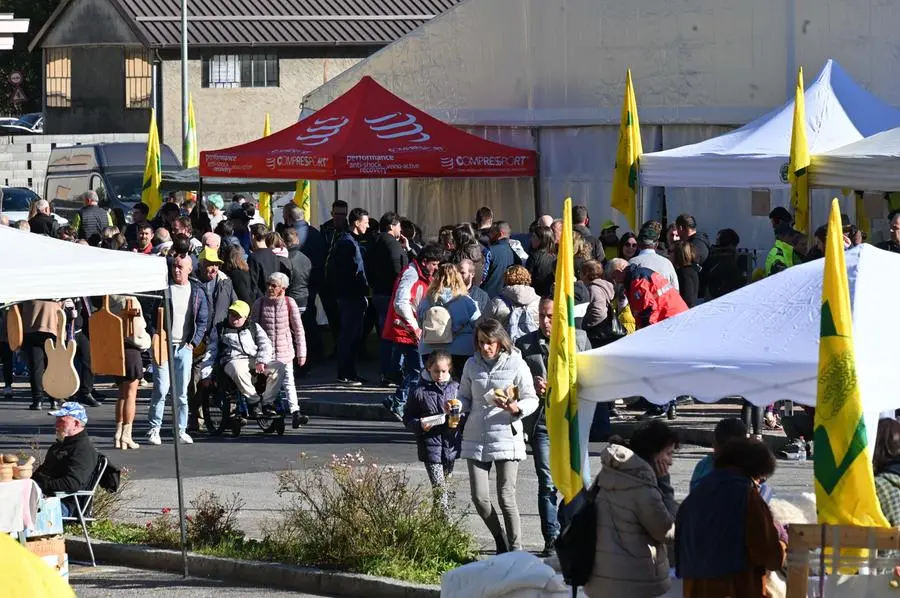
(536, 133)
(396, 195)
(167, 301)
(337, 192)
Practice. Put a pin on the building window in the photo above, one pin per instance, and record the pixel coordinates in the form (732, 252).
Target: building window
(138, 78)
(240, 70)
(58, 75)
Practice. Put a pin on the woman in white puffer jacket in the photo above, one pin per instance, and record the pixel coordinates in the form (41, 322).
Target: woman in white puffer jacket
(493, 433)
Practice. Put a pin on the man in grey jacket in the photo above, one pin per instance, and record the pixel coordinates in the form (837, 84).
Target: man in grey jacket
(535, 349)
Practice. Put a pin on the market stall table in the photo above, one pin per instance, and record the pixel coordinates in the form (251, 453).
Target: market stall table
(19, 500)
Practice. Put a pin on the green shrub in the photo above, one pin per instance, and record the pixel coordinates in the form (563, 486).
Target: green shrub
(364, 518)
(108, 505)
(164, 531)
(214, 521)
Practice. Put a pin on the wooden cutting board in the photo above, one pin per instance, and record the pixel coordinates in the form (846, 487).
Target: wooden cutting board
(14, 329)
(60, 378)
(107, 342)
(160, 340)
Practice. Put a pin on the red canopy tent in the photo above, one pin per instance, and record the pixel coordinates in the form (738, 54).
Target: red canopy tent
(368, 133)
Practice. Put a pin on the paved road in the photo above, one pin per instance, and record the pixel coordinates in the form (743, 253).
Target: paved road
(247, 464)
(121, 581)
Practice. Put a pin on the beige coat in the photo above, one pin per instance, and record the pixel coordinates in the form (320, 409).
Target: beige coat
(632, 521)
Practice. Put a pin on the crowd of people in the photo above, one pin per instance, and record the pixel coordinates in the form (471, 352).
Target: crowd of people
(463, 322)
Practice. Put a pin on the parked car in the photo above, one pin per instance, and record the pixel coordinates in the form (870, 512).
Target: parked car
(114, 170)
(28, 124)
(16, 204)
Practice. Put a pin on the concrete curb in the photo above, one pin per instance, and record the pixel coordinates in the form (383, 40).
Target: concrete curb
(251, 573)
(355, 411)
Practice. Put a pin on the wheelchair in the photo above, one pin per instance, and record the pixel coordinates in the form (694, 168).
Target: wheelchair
(226, 411)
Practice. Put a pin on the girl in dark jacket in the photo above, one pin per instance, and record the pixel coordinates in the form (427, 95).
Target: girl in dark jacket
(685, 261)
(438, 442)
(239, 272)
(541, 262)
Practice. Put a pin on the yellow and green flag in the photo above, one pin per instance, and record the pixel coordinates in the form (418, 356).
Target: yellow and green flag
(265, 200)
(191, 149)
(150, 193)
(301, 198)
(628, 155)
(562, 390)
(798, 164)
(845, 482)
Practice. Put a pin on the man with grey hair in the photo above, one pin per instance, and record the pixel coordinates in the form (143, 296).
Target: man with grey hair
(90, 220)
(647, 240)
(467, 270)
(279, 317)
(43, 222)
(190, 316)
(211, 240)
(545, 220)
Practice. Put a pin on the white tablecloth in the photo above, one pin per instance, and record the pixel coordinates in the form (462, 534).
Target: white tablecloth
(18, 505)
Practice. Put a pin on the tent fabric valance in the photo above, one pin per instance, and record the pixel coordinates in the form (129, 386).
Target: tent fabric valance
(189, 180)
(368, 133)
(839, 111)
(760, 342)
(50, 268)
(871, 164)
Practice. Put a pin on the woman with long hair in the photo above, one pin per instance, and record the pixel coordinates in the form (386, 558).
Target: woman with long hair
(684, 258)
(628, 246)
(448, 293)
(496, 391)
(238, 271)
(466, 246)
(541, 262)
(136, 341)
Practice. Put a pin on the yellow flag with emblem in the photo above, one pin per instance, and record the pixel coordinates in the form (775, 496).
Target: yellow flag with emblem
(628, 155)
(562, 391)
(845, 482)
(265, 200)
(301, 198)
(798, 164)
(150, 193)
(192, 150)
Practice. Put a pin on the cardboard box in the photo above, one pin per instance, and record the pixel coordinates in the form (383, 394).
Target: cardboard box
(58, 562)
(49, 519)
(53, 546)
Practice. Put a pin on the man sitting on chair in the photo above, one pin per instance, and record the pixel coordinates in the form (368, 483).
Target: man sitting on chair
(72, 460)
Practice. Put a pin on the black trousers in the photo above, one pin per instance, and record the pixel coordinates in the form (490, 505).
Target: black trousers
(752, 416)
(7, 356)
(315, 349)
(33, 347)
(83, 361)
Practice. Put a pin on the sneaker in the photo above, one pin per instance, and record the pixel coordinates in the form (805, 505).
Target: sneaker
(8, 392)
(298, 419)
(793, 451)
(359, 380)
(348, 382)
(387, 383)
(153, 437)
(397, 411)
(184, 438)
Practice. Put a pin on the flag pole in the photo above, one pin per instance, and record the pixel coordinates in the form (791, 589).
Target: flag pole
(184, 80)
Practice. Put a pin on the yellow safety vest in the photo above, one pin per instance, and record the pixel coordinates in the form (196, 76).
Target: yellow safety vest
(781, 252)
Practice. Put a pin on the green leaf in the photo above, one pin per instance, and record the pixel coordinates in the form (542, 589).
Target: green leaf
(828, 472)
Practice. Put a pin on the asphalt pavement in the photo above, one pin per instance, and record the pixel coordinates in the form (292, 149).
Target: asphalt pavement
(104, 581)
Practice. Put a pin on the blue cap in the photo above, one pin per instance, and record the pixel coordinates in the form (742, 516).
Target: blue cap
(72, 408)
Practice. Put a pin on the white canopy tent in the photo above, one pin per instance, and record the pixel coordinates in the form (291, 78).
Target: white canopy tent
(38, 267)
(872, 164)
(760, 342)
(839, 111)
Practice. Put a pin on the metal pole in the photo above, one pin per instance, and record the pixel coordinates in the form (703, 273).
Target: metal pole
(536, 134)
(184, 80)
(396, 195)
(167, 301)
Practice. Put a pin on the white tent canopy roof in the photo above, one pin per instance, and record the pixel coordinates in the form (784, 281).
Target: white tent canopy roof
(760, 342)
(870, 164)
(39, 267)
(838, 111)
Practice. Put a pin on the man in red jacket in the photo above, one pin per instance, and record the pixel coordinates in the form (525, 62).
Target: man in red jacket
(401, 326)
(651, 296)
(652, 299)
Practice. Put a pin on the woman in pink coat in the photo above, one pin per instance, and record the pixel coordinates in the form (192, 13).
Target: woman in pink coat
(279, 316)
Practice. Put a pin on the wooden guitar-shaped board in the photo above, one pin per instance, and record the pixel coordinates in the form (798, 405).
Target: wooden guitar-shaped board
(14, 329)
(107, 342)
(160, 340)
(60, 378)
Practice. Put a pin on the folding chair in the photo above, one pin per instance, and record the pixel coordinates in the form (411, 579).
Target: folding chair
(83, 500)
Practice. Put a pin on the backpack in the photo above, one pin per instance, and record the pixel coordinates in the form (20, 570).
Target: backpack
(520, 322)
(112, 477)
(576, 546)
(437, 326)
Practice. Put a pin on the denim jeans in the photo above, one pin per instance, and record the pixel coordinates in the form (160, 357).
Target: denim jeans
(183, 360)
(385, 347)
(540, 445)
(352, 310)
(407, 356)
